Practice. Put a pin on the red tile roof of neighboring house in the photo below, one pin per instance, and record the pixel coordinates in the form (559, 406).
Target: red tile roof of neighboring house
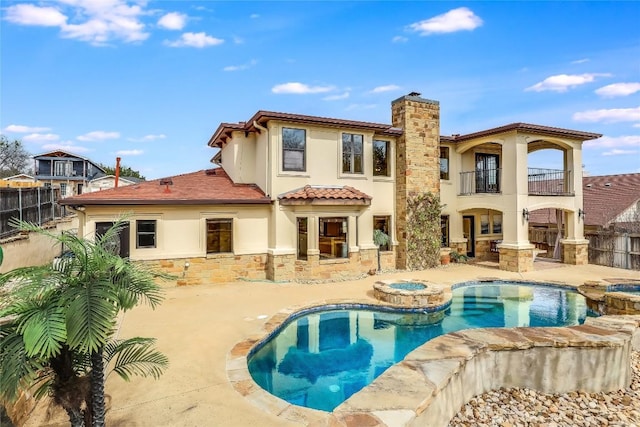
(604, 198)
(325, 195)
(211, 186)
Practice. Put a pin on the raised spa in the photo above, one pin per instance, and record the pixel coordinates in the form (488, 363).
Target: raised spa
(410, 293)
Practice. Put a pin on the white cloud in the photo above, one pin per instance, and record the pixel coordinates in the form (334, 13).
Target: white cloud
(98, 135)
(399, 39)
(96, 22)
(580, 61)
(148, 138)
(198, 40)
(254, 16)
(618, 89)
(460, 19)
(300, 88)
(173, 21)
(564, 82)
(616, 152)
(25, 129)
(29, 14)
(336, 97)
(386, 88)
(238, 40)
(625, 141)
(240, 67)
(129, 152)
(41, 137)
(65, 146)
(613, 115)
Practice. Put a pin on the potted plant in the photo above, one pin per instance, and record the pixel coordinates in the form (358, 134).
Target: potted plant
(380, 238)
(445, 256)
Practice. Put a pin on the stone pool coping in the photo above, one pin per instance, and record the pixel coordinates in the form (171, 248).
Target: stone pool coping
(436, 379)
(612, 296)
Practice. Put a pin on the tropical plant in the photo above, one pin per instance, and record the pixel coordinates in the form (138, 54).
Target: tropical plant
(380, 238)
(58, 322)
(458, 257)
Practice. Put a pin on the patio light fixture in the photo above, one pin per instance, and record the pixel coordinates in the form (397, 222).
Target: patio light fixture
(525, 214)
(581, 214)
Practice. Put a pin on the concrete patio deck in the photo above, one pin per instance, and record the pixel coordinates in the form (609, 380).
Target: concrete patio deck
(196, 327)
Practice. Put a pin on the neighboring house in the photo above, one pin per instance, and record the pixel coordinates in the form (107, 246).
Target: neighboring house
(609, 200)
(109, 181)
(20, 180)
(65, 171)
(298, 197)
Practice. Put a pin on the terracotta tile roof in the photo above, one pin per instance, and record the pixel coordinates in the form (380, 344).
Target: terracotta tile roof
(224, 130)
(211, 186)
(602, 202)
(317, 194)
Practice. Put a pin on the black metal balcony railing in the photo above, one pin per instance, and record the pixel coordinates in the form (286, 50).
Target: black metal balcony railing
(541, 182)
(480, 181)
(550, 182)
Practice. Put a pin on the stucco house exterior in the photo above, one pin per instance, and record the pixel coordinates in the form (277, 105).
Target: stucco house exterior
(299, 197)
(68, 172)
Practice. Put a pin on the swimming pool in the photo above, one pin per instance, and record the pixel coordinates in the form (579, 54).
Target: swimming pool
(319, 359)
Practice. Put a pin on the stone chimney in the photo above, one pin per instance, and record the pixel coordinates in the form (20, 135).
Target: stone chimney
(417, 160)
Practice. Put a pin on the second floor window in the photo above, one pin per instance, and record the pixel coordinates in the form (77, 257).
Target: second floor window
(444, 162)
(381, 158)
(352, 153)
(294, 143)
(62, 168)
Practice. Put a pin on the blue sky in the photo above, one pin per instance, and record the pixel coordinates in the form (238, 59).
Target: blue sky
(150, 81)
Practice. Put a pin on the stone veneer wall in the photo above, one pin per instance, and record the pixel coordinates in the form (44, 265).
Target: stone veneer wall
(575, 253)
(518, 260)
(417, 159)
(218, 268)
(224, 268)
(483, 251)
(357, 264)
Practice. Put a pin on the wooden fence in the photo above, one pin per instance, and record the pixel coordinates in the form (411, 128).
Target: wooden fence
(36, 205)
(613, 249)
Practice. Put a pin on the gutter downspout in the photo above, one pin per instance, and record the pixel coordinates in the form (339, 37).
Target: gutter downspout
(267, 176)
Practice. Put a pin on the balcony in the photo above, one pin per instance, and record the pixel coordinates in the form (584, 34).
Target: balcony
(481, 181)
(549, 182)
(540, 182)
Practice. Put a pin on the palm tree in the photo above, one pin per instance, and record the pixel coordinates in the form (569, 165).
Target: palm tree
(60, 319)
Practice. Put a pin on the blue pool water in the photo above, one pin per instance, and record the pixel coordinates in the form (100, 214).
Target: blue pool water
(408, 286)
(321, 358)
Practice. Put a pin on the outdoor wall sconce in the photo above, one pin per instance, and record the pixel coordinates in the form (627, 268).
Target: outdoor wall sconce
(581, 214)
(525, 214)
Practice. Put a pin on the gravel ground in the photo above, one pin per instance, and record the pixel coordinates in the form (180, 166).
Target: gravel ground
(519, 407)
